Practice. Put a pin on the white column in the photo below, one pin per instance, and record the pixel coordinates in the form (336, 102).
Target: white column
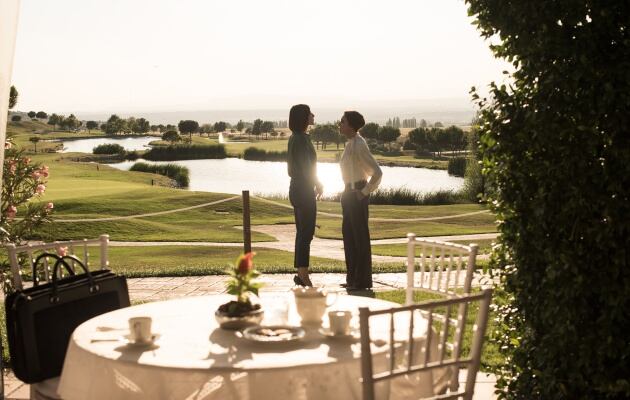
(9, 10)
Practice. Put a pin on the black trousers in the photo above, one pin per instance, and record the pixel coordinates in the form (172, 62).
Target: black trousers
(302, 197)
(356, 240)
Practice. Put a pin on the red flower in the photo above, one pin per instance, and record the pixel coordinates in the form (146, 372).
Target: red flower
(245, 263)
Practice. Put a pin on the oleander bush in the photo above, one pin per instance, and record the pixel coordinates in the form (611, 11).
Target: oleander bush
(556, 154)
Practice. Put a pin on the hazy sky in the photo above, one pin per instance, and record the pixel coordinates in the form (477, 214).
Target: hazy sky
(159, 55)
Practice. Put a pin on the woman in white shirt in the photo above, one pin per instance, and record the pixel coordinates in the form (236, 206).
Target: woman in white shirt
(357, 165)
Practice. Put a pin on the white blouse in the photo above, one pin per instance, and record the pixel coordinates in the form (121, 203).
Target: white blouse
(357, 164)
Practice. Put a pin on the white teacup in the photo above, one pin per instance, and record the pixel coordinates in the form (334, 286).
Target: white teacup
(311, 304)
(140, 329)
(340, 322)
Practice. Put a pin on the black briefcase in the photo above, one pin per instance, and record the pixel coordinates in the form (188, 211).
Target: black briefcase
(41, 319)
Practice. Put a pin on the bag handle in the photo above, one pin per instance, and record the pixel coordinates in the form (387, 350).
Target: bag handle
(45, 255)
(62, 261)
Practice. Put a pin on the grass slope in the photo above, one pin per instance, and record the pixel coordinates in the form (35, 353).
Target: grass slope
(400, 250)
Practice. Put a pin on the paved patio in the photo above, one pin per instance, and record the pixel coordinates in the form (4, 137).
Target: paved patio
(153, 289)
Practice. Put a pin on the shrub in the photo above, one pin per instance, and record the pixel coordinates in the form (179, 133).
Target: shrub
(16, 118)
(473, 189)
(556, 152)
(178, 173)
(256, 154)
(407, 197)
(186, 152)
(457, 166)
(132, 155)
(408, 145)
(23, 182)
(171, 136)
(107, 148)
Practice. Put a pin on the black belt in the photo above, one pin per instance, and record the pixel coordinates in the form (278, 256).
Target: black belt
(358, 185)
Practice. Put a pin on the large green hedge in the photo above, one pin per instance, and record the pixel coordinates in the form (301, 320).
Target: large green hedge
(556, 150)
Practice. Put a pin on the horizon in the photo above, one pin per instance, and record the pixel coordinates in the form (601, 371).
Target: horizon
(448, 111)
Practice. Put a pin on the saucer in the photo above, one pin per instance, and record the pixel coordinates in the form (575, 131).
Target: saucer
(273, 334)
(353, 334)
(128, 339)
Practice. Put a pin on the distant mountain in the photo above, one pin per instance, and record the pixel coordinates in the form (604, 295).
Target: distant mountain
(447, 111)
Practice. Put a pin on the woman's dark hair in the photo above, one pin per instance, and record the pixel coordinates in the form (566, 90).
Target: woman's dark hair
(355, 120)
(298, 117)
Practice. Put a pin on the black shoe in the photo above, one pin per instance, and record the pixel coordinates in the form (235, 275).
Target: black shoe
(357, 288)
(298, 281)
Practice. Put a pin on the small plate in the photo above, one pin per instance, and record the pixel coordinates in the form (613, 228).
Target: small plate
(128, 339)
(273, 334)
(353, 334)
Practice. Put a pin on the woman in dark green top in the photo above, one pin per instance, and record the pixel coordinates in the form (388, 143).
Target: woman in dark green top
(304, 188)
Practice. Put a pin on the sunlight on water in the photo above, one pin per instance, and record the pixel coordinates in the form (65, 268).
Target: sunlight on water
(233, 175)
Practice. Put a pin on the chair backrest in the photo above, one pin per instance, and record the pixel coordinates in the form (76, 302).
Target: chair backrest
(449, 334)
(78, 248)
(440, 267)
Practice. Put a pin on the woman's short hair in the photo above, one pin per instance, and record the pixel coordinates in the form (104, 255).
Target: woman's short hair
(355, 120)
(298, 117)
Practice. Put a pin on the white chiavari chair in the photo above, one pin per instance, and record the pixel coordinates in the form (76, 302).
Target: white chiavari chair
(449, 333)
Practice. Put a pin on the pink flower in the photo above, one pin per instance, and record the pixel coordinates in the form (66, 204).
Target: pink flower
(49, 206)
(7, 145)
(10, 212)
(26, 160)
(44, 171)
(62, 251)
(40, 189)
(12, 166)
(245, 263)
(36, 174)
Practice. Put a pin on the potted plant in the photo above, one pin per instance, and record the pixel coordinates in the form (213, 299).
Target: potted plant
(240, 313)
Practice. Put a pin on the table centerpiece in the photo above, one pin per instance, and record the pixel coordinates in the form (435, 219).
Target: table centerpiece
(241, 313)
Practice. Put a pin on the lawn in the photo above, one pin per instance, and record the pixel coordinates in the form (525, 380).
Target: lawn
(478, 223)
(89, 190)
(490, 356)
(206, 260)
(400, 250)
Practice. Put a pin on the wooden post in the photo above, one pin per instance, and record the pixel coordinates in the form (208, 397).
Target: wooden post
(247, 232)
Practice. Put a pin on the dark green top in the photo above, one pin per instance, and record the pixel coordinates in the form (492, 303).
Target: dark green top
(302, 158)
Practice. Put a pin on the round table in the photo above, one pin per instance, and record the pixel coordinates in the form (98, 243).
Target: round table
(195, 359)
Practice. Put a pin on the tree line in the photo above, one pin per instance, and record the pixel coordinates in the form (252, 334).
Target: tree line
(437, 140)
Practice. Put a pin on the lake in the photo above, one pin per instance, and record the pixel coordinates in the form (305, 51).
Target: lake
(233, 175)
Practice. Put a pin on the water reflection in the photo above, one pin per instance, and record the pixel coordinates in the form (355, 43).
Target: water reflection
(233, 175)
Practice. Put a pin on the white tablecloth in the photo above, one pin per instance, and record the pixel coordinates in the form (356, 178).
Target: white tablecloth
(195, 359)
